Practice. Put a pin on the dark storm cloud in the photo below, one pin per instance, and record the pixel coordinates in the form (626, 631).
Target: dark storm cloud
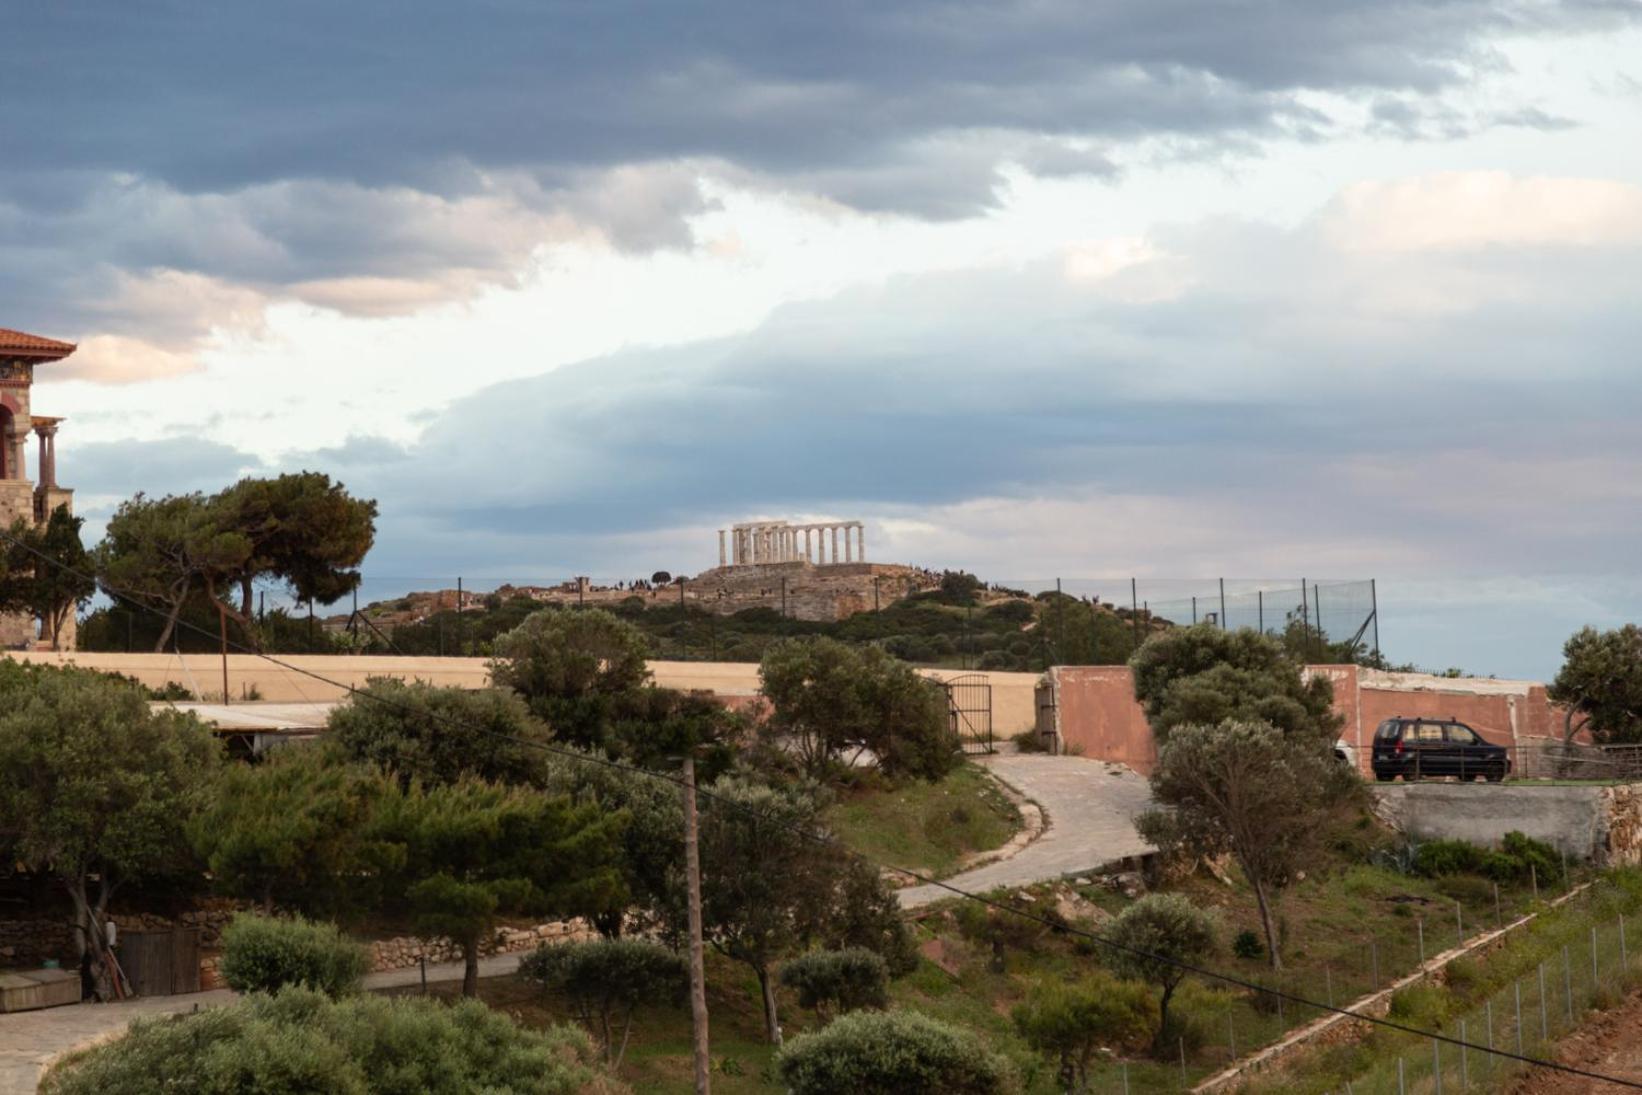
(432, 145)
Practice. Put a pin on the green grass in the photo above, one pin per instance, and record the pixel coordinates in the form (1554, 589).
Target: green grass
(927, 827)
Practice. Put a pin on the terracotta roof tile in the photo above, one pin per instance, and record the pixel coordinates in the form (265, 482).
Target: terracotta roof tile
(20, 344)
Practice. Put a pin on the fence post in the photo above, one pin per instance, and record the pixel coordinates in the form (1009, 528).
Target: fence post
(1499, 919)
(1436, 1066)
(1517, 985)
(1420, 924)
(1459, 921)
(1231, 1035)
(1374, 951)
(1624, 960)
(1183, 1081)
(1595, 976)
(1544, 1017)
(1489, 1007)
(1533, 877)
(1568, 983)
(1328, 978)
(1125, 1078)
(1465, 1075)
(1402, 1087)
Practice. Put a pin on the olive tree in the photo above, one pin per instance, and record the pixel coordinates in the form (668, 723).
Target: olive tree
(95, 785)
(1600, 684)
(828, 697)
(571, 667)
(1249, 789)
(1154, 940)
(1070, 1021)
(1204, 675)
(606, 980)
(300, 1040)
(892, 1053)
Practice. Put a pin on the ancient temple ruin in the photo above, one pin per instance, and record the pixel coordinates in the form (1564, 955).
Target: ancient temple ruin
(758, 542)
(21, 498)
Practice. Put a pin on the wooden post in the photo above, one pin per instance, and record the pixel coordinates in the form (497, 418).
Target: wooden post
(222, 633)
(698, 971)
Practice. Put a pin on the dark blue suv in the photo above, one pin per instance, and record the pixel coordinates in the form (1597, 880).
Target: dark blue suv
(1424, 748)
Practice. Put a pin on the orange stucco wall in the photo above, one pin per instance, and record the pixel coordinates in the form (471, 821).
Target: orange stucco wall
(1096, 714)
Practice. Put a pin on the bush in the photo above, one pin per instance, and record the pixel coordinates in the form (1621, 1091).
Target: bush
(606, 979)
(265, 954)
(1247, 945)
(835, 982)
(1029, 741)
(1437, 858)
(892, 1053)
(1071, 1023)
(1524, 857)
(302, 1041)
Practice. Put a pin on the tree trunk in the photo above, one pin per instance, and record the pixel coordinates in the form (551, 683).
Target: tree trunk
(1158, 1044)
(1266, 921)
(245, 597)
(470, 970)
(772, 1022)
(170, 626)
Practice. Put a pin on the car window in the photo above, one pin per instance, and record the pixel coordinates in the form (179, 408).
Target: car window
(1461, 735)
(1426, 731)
(1388, 730)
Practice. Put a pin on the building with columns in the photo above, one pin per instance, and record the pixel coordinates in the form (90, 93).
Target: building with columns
(760, 542)
(22, 498)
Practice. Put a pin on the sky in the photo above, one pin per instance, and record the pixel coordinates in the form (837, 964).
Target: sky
(1173, 289)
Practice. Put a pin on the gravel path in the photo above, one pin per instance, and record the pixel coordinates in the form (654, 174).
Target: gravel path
(1090, 808)
(30, 1040)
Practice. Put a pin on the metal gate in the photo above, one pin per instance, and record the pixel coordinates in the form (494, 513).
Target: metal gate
(969, 709)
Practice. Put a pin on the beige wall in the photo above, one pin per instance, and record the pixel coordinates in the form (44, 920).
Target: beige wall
(308, 677)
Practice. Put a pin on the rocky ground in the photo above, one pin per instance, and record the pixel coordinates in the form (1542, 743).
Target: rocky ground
(1611, 1044)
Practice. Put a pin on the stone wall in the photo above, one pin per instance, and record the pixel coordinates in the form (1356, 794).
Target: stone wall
(405, 951)
(806, 591)
(1602, 823)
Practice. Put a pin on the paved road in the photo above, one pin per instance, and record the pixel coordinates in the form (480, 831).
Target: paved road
(29, 1040)
(1090, 807)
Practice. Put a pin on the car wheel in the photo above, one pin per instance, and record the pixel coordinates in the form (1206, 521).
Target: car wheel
(1385, 777)
(1496, 775)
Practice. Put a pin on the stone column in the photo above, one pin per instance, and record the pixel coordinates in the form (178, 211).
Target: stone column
(721, 558)
(807, 546)
(834, 530)
(861, 542)
(849, 544)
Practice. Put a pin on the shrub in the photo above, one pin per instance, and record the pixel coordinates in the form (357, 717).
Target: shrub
(302, 1041)
(1423, 1005)
(607, 979)
(891, 1053)
(265, 954)
(1029, 741)
(1437, 858)
(1529, 857)
(835, 982)
(1247, 945)
(1070, 1023)
(1161, 934)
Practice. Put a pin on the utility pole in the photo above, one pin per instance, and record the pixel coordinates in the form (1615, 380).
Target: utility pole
(222, 631)
(698, 968)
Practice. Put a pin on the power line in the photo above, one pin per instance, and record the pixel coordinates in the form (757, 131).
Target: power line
(834, 843)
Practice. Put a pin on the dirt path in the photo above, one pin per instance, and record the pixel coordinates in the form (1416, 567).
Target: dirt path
(1611, 1043)
(1089, 808)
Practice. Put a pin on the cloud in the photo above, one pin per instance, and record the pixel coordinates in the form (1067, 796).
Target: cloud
(390, 155)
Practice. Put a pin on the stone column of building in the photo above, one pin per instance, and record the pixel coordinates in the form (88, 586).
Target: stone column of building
(834, 530)
(807, 544)
(721, 554)
(861, 542)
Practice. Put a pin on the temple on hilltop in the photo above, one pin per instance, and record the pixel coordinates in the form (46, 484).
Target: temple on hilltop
(21, 498)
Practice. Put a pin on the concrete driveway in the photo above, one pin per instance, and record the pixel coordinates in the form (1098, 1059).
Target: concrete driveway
(1090, 807)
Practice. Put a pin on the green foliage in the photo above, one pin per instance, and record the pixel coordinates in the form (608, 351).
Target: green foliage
(774, 883)
(1157, 934)
(571, 666)
(440, 735)
(605, 980)
(1267, 797)
(475, 851)
(1600, 682)
(47, 572)
(292, 826)
(301, 1041)
(1205, 676)
(1029, 741)
(1070, 1022)
(168, 551)
(1247, 945)
(959, 587)
(992, 924)
(303, 530)
(831, 697)
(94, 784)
(834, 982)
(265, 954)
(1424, 1005)
(1519, 858)
(892, 1053)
